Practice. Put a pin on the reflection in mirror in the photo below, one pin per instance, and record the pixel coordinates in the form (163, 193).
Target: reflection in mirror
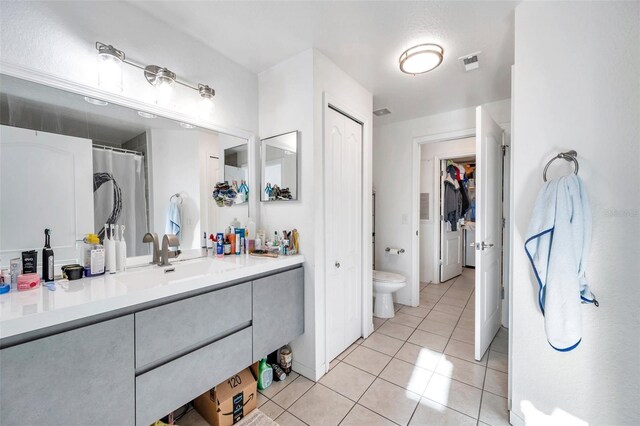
(236, 169)
(280, 167)
(72, 164)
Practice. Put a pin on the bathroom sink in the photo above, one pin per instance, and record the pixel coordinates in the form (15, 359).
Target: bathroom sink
(153, 275)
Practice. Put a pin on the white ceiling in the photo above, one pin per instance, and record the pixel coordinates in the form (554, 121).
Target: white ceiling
(365, 39)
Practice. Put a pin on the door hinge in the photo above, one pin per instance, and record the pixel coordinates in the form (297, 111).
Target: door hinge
(502, 293)
(441, 217)
(416, 233)
(504, 223)
(504, 150)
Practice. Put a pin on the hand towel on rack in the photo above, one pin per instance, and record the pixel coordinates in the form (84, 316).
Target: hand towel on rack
(558, 246)
(174, 220)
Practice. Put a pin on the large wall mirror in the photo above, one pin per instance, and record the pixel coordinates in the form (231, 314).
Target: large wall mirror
(72, 163)
(280, 166)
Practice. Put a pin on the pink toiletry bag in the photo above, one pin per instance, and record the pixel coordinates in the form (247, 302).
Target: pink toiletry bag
(28, 281)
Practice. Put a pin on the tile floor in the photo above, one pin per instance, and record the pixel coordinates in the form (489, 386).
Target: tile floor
(415, 369)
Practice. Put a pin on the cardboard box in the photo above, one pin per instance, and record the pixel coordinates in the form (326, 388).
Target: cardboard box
(231, 400)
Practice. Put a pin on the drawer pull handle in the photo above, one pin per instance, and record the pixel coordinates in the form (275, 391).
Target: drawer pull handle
(167, 270)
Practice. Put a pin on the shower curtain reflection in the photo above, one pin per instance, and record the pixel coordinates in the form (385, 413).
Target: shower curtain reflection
(119, 195)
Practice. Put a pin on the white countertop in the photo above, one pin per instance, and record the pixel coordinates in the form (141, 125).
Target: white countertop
(26, 311)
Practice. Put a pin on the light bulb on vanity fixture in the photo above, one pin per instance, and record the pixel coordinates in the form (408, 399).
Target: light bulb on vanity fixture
(162, 79)
(110, 67)
(206, 100)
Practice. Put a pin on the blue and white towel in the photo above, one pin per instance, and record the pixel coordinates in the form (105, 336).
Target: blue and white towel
(557, 244)
(174, 220)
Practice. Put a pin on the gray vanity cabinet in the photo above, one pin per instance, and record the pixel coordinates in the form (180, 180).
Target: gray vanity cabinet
(278, 311)
(80, 377)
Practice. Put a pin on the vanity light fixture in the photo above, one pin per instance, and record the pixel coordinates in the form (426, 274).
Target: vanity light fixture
(421, 58)
(94, 101)
(110, 75)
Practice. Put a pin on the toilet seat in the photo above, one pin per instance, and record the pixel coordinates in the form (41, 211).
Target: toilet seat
(388, 277)
(384, 285)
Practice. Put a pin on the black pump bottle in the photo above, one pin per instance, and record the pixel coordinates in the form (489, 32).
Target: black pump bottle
(47, 257)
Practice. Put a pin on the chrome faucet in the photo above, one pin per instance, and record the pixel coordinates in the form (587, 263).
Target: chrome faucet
(169, 240)
(153, 238)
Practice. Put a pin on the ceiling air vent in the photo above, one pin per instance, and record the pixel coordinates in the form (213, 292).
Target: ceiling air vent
(470, 61)
(382, 111)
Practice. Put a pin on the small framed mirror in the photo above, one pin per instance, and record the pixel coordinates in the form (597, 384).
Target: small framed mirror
(280, 164)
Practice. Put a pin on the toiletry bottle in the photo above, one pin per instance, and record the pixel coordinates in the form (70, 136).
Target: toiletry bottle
(235, 223)
(116, 243)
(123, 249)
(47, 257)
(220, 245)
(111, 251)
(238, 241)
(265, 374)
(278, 374)
(105, 243)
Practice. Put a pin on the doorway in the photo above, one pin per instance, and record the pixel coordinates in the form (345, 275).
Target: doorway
(485, 142)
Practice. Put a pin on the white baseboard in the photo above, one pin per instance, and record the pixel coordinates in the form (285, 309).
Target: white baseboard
(308, 372)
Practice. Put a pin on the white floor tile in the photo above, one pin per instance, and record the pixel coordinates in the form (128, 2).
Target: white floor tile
(436, 327)
(398, 331)
(405, 319)
(464, 351)
(498, 361)
(276, 387)
(419, 312)
(461, 370)
(359, 416)
(348, 381)
(271, 409)
(288, 419)
(321, 406)
(428, 340)
(406, 375)
(494, 410)
(383, 343)
(443, 317)
(496, 382)
(291, 393)
(390, 401)
(417, 355)
(430, 413)
(464, 335)
(459, 396)
(368, 360)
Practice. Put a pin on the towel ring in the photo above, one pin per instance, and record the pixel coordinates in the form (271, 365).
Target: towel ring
(178, 198)
(569, 156)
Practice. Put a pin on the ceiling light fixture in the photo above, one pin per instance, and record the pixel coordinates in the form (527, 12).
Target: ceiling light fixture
(421, 58)
(110, 75)
(94, 101)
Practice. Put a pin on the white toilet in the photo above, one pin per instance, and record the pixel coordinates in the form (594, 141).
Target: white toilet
(384, 285)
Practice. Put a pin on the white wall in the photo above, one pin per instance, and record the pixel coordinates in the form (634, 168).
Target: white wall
(392, 166)
(59, 38)
(177, 160)
(428, 152)
(291, 98)
(576, 87)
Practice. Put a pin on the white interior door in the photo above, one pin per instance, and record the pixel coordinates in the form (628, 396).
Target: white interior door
(60, 174)
(343, 204)
(488, 230)
(450, 241)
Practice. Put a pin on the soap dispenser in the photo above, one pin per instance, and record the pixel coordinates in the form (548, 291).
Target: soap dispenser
(47, 257)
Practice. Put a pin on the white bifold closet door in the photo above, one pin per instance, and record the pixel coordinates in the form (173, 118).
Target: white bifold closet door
(343, 220)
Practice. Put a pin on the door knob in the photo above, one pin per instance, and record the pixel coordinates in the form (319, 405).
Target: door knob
(337, 264)
(483, 246)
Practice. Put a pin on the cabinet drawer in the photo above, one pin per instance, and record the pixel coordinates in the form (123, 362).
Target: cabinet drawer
(177, 326)
(172, 385)
(79, 377)
(278, 311)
